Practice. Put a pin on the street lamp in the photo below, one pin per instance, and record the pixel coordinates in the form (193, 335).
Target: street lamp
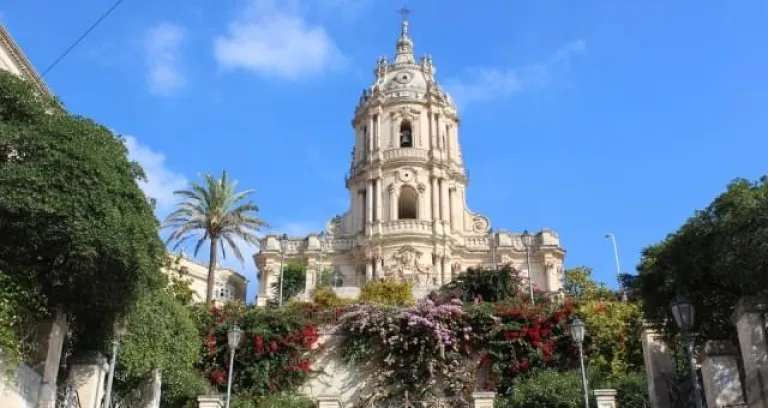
(527, 242)
(120, 329)
(578, 331)
(618, 268)
(283, 242)
(684, 314)
(234, 335)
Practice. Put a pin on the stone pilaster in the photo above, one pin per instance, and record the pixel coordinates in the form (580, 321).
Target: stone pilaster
(209, 401)
(659, 367)
(605, 398)
(720, 375)
(88, 375)
(328, 401)
(54, 330)
(483, 399)
(750, 325)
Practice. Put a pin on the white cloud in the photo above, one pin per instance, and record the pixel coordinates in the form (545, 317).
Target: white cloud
(276, 40)
(484, 84)
(161, 181)
(163, 48)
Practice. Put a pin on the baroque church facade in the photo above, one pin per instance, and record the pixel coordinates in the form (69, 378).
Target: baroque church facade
(408, 216)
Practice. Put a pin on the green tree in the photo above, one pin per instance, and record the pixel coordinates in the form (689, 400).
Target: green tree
(214, 212)
(74, 225)
(580, 285)
(294, 280)
(716, 257)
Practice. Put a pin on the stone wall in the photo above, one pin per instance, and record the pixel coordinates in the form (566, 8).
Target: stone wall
(19, 386)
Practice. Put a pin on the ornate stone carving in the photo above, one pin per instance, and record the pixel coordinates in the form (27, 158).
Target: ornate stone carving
(391, 188)
(406, 175)
(549, 267)
(506, 260)
(334, 226)
(480, 224)
(422, 188)
(406, 265)
(456, 268)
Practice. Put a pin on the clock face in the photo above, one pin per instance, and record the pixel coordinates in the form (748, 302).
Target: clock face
(404, 77)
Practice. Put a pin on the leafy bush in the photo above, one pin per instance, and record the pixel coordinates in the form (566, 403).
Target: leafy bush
(325, 296)
(273, 401)
(388, 292)
(294, 280)
(546, 389)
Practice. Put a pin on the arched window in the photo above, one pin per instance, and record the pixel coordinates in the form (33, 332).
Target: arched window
(407, 203)
(406, 134)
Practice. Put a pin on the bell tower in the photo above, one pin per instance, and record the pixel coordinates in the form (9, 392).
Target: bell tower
(407, 178)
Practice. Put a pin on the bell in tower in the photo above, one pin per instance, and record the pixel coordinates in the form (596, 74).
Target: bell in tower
(406, 135)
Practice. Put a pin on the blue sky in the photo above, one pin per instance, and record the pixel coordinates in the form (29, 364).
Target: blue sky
(584, 117)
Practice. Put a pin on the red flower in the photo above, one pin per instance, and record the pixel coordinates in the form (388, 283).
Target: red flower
(258, 344)
(218, 376)
(273, 347)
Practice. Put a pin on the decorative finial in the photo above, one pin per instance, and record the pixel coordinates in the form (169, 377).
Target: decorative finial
(404, 12)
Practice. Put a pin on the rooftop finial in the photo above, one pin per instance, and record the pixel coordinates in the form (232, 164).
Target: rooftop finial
(404, 43)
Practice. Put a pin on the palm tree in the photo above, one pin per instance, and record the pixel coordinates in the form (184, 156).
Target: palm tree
(213, 211)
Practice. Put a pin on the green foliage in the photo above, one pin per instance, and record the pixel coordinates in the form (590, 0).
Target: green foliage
(546, 389)
(294, 280)
(325, 296)
(161, 333)
(273, 401)
(488, 285)
(215, 212)
(614, 331)
(20, 306)
(179, 285)
(326, 277)
(74, 223)
(388, 292)
(632, 389)
(579, 285)
(716, 257)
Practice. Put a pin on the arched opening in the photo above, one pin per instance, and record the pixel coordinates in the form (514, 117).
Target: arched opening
(407, 203)
(406, 134)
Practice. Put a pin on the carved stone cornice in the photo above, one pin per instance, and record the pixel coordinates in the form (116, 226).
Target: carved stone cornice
(15, 52)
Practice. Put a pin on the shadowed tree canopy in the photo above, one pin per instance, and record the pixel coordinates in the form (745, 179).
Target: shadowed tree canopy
(717, 256)
(73, 221)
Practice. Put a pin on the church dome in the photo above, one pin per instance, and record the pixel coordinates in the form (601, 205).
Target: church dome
(403, 78)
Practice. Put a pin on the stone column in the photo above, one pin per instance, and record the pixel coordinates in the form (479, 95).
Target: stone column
(209, 401)
(720, 375)
(444, 210)
(750, 325)
(483, 399)
(368, 205)
(328, 401)
(151, 391)
(446, 269)
(368, 270)
(435, 199)
(659, 367)
(379, 198)
(53, 332)
(87, 375)
(392, 203)
(605, 398)
(369, 135)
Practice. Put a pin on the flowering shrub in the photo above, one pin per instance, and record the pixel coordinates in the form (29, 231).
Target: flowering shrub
(421, 349)
(614, 330)
(274, 353)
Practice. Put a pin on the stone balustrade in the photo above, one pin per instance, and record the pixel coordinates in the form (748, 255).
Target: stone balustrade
(406, 154)
(407, 227)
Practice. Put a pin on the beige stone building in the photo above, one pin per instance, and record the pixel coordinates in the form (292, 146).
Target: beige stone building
(13, 59)
(408, 216)
(229, 284)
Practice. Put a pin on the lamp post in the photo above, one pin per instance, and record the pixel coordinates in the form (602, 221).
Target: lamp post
(527, 242)
(684, 314)
(119, 332)
(234, 335)
(578, 331)
(283, 242)
(618, 268)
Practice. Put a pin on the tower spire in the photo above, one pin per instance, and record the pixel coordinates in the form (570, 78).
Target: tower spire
(404, 53)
